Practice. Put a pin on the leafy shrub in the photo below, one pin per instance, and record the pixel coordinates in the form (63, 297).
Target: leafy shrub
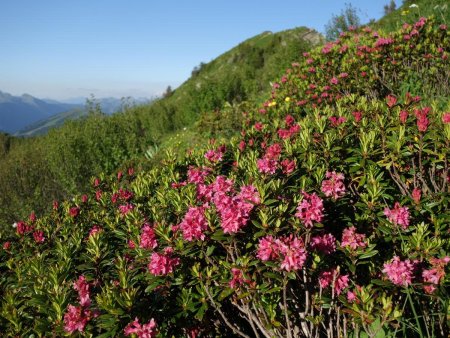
(328, 216)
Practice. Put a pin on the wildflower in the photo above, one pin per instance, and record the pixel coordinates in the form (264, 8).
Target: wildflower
(22, 228)
(391, 101)
(82, 286)
(310, 209)
(194, 224)
(334, 81)
(214, 155)
(267, 249)
(333, 277)
(273, 152)
(55, 205)
(76, 318)
(141, 331)
(38, 236)
(32, 217)
(337, 121)
(95, 230)
(267, 166)
(422, 119)
(357, 115)
(334, 186)
(148, 238)
(399, 272)
(435, 275)
(126, 208)
(446, 118)
(162, 264)
(249, 193)
(74, 211)
(293, 252)
(351, 296)
(325, 243)
(398, 215)
(416, 195)
(84, 198)
(353, 240)
(197, 175)
(6, 246)
(237, 278)
(288, 166)
(403, 116)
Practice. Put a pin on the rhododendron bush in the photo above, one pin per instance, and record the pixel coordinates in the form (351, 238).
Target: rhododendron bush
(328, 216)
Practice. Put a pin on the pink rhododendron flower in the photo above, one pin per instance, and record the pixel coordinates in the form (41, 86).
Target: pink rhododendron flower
(194, 224)
(23, 228)
(249, 193)
(32, 217)
(76, 318)
(351, 296)
(435, 275)
(325, 243)
(237, 279)
(288, 166)
(384, 42)
(38, 236)
(273, 152)
(82, 286)
(266, 166)
(95, 230)
(337, 121)
(334, 185)
(162, 264)
(403, 116)
(267, 249)
(422, 119)
(353, 240)
(214, 155)
(310, 209)
(74, 211)
(391, 101)
(141, 331)
(326, 279)
(416, 195)
(446, 118)
(148, 238)
(6, 246)
(357, 115)
(293, 253)
(197, 175)
(126, 208)
(399, 272)
(398, 215)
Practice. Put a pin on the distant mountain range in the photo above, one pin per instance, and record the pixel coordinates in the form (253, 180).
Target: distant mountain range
(28, 116)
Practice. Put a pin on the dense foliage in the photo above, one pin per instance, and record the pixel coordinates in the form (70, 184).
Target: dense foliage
(327, 216)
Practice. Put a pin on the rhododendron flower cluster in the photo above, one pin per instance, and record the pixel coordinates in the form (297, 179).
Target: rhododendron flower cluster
(22, 228)
(122, 195)
(310, 209)
(197, 175)
(353, 240)
(76, 318)
(82, 286)
(399, 272)
(434, 275)
(398, 215)
(326, 279)
(237, 278)
(141, 331)
(334, 185)
(337, 121)
(126, 208)
(163, 264)
(194, 224)
(325, 243)
(38, 236)
(288, 166)
(290, 251)
(148, 237)
(422, 118)
(215, 155)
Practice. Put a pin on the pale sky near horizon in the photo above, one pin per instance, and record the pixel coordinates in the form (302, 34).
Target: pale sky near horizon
(63, 49)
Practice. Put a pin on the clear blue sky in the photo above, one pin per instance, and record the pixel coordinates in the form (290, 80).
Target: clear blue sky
(62, 49)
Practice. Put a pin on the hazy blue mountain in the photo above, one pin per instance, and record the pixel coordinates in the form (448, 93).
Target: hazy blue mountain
(107, 105)
(16, 112)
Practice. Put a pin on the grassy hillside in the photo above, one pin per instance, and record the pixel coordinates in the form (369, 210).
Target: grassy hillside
(64, 157)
